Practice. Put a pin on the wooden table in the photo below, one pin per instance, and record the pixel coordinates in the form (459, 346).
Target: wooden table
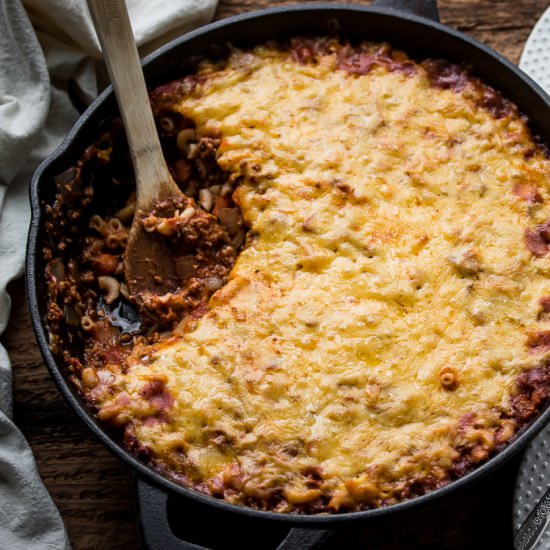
(95, 492)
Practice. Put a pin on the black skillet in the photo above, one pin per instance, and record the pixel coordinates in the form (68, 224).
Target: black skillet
(412, 25)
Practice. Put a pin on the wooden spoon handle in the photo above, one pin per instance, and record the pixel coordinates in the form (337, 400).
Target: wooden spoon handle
(114, 31)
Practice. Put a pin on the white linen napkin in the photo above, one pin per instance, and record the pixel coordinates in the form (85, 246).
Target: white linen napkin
(43, 45)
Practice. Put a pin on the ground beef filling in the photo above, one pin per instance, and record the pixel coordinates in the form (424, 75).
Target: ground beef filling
(202, 253)
(93, 318)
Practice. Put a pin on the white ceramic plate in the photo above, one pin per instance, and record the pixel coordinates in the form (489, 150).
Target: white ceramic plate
(534, 473)
(535, 59)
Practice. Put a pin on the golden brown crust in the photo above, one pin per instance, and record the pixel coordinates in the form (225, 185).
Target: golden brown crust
(384, 329)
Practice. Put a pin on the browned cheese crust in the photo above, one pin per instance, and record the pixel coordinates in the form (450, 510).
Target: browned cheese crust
(364, 254)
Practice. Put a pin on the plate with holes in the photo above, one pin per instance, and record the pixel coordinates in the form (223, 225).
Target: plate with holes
(532, 482)
(535, 59)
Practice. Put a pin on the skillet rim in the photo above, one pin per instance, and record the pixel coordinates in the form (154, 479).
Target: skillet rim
(71, 396)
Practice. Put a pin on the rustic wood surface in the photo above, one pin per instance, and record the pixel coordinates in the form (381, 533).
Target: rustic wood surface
(93, 490)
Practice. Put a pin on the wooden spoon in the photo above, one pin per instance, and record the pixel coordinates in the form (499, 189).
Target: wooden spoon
(149, 266)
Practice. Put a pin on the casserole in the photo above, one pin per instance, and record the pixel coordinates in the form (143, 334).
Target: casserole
(414, 25)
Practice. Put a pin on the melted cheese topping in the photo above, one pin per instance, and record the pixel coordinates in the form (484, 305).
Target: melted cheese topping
(386, 248)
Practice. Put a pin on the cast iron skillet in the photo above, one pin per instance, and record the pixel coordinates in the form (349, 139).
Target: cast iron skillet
(408, 24)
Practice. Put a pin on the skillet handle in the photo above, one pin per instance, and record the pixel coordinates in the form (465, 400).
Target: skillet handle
(424, 8)
(305, 539)
(156, 533)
